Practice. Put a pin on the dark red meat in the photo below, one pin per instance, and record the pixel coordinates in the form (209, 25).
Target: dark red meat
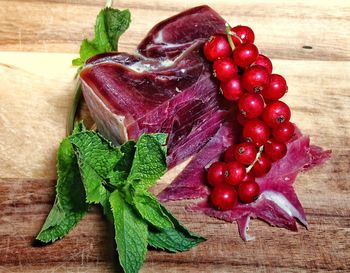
(191, 182)
(167, 88)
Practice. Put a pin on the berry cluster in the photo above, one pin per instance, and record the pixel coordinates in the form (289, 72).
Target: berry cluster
(246, 76)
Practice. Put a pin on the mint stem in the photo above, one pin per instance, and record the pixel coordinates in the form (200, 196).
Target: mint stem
(74, 107)
(109, 3)
(261, 148)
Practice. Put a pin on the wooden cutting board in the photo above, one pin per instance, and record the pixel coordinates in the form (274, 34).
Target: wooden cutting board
(309, 44)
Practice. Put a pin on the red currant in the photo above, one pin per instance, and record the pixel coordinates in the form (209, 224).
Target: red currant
(245, 153)
(255, 79)
(248, 192)
(245, 54)
(215, 173)
(223, 197)
(232, 89)
(275, 150)
(217, 46)
(245, 33)
(234, 173)
(265, 62)
(276, 114)
(251, 105)
(229, 155)
(276, 88)
(249, 177)
(241, 119)
(224, 69)
(256, 131)
(262, 166)
(284, 132)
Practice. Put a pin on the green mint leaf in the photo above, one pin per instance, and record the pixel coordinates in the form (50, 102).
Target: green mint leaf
(176, 239)
(78, 128)
(122, 169)
(69, 206)
(149, 162)
(106, 206)
(96, 151)
(96, 158)
(110, 25)
(131, 234)
(116, 22)
(150, 209)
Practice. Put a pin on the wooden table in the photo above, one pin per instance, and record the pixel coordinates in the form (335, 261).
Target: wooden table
(309, 44)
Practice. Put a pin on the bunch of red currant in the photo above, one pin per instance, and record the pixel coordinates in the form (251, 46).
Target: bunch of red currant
(246, 76)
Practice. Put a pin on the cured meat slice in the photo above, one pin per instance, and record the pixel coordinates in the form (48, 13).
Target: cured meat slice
(168, 87)
(191, 182)
(278, 203)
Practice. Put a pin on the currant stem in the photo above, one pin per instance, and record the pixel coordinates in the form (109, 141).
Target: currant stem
(261, 148)
(228, 33)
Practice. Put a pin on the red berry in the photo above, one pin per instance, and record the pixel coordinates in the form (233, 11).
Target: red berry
(256, 131)
(241, 119)
(217, 46)
(276, 113)
(248, 192)
(265, 62)
(223, 197)
(245, 54)
(229, 155)
(232, 89)
(215, 173)
(245, 33)
(249, 177)
(284, 132)
(275, 150)
(276, 88)
(245, 153)
(255, 79)
(251, 105)
(234, 173)
(262, 166)
(224, 69)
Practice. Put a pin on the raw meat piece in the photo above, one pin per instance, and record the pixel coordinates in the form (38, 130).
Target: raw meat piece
(171, 36)
(167, 88)
(278, 203)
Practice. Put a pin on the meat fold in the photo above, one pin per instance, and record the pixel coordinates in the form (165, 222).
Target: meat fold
(167, 87)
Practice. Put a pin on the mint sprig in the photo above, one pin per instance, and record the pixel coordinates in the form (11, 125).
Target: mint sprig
(110, 25)
(91, 170)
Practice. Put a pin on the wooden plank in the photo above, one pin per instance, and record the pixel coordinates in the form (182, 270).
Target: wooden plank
(36, 90)
(90, 245)
(282, 28)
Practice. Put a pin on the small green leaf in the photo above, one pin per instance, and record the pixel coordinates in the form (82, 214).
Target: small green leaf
(150, 209)
(117, 22)
(149, 162)
(122, 169)
(96, 152)
(110, 25)
(131, 234)
(176, 239)
(96, 158)
(69, 206)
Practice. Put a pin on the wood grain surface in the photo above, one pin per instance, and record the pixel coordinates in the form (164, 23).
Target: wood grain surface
(309, 44)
